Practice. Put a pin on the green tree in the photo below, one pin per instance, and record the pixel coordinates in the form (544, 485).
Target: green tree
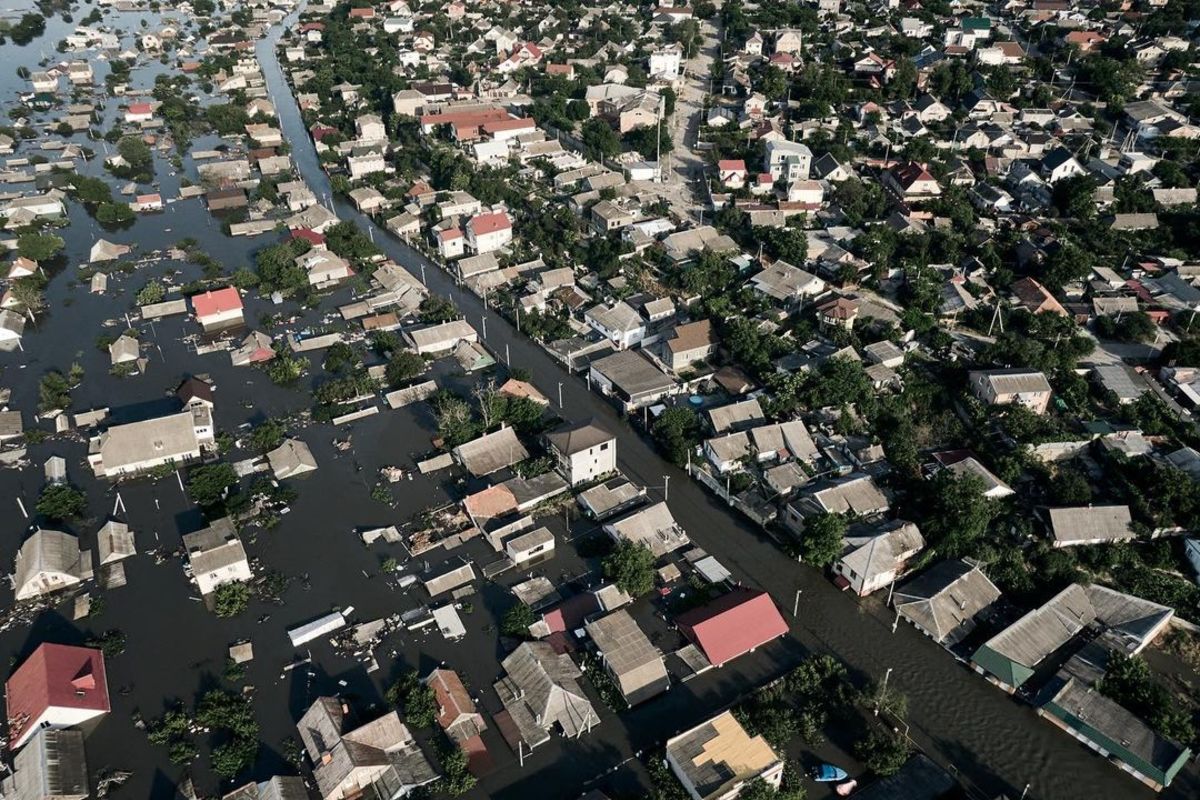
(631, 566)
(54, 392)
(1075, 196)
(677, 432)
(822, 541)
(59, 501)
(957, 513)
(39, 246)
(456, 776)
(152, 292)
(516, 621)
(883, 752)
(436, 309)
(1130, 682)
(231, 599)
(207, 484)
(267, 436)
(599, 139)
(403, 366)
(416, 698)
(114, 213)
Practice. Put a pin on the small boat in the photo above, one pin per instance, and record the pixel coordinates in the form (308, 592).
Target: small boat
(828, 773)
(844, 789)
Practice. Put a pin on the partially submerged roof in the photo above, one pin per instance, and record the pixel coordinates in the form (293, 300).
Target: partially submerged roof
(945, 600)
(634, 662)
(1128, 623)
(491, 452)
(718, 755)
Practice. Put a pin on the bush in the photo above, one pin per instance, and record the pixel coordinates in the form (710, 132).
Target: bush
(208, 484)
(54, 392)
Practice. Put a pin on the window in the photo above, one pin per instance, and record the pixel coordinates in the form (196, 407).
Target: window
(604, 447)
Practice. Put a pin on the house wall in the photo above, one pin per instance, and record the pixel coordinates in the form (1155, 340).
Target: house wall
(220, 318)
(209, 581)
(587, 465)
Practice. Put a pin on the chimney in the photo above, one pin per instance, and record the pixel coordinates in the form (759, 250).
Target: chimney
(326, 757)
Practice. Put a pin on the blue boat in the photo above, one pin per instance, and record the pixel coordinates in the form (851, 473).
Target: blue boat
(828, 773)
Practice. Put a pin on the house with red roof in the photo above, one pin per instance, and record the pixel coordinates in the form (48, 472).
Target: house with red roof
(732, 173)
(733, 625)
(488, 232)
(147, 202)
(309, 235)
(139, 112)
(525, 55)
(220, 308)
(912, 183)
(457, 715)
(59, 686)
(451, 243)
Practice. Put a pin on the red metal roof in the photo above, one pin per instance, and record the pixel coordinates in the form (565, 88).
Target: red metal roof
(730, 165)
(55, 676)
(309, 235)
(140, 108)
(733, 624)
(211, 303)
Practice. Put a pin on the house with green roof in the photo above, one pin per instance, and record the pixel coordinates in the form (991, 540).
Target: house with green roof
(1071, 701)
(1125, 624)
(981, 27)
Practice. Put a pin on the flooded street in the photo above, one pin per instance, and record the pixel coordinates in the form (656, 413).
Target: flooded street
(177, 649)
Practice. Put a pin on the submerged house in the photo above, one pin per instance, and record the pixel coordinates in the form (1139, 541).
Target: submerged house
(377, 759)
(1125, 624)
(540, 691)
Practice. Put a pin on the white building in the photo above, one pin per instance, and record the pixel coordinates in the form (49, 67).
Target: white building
(486, 233)
(585, 452)
(788, 161)
(139, 446)
(664, 63)
(216, 556)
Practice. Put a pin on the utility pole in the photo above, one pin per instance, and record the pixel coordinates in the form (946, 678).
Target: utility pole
(666, 487)
(882, 690)
(560, 403)
(796, 605)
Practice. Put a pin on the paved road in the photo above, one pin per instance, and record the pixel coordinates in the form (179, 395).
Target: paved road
(960, 719)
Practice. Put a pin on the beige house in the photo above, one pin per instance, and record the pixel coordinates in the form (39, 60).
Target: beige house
(140, 446)
(1002, 387)
(633, 662)
(47, 562)
(377, 759)
(716, 759)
